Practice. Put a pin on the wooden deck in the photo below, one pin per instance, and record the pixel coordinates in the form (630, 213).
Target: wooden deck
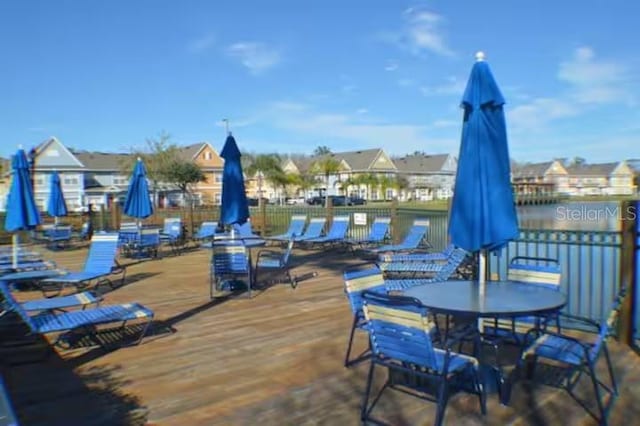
(274, 360)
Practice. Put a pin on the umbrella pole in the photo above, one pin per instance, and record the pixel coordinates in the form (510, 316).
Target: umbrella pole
(14, 242)
(55, 220)
(482, 281)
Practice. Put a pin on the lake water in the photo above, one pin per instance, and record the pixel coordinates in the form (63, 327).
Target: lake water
(584, 216)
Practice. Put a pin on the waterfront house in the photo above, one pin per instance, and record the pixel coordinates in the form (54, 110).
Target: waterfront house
(205, 156)
(601, 179)
(540, 178)
(428, 177)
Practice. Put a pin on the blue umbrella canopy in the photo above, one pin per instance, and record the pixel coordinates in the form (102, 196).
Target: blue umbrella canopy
(22, 212)
(138, 204)
(234, 207)
(56, 206)
(483, 212)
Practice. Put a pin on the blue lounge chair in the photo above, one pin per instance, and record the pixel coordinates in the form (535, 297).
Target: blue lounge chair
(100, 263)
(276, 260)
(206, 231)
(422, 267)
(314, 229)
(245, 233)
(402, 342)
(377, 234)
(296, 228)
(172, 233)
(230, 268)
(576, 358)
(83, 300)
(418, 257)
(80, 321)
(356, 282)
(444, 272)
(336, 233)
(417, 233)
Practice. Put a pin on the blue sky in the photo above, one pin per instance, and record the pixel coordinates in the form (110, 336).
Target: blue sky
(293, 75)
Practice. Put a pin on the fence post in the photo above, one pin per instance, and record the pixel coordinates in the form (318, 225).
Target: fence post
(628, 269)
(394, 221)
(263, 217)
(329, 213)
(115, 216)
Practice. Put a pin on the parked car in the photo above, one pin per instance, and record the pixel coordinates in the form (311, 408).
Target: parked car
(315, 201)
(357, 201)
(294, 200)
(253, 202)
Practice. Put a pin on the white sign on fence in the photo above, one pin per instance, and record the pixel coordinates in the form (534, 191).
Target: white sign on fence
(359, 218)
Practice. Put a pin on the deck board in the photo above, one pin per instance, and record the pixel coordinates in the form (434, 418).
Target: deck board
(274, 359)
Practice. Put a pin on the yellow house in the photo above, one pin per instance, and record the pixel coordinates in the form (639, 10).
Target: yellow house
(207, 158)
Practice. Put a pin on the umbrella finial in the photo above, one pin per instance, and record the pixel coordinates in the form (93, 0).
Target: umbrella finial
(139, 159)
(226, 126)
(479, 56)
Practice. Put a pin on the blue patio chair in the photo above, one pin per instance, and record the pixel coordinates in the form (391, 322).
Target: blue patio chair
(80, 322)
(402, 336)
(442, 272)
(146, 244)
(99, 264)
(276, 260)
(171, 233)
(314, 229)
(296, 228)
(128, 234)
(57, 237)
(537, 271)
(576, 358)
(357, 281)
(205, 234)
(336, 233)
(7, 414)
(378, 233)
(230, 268)
(415, 236)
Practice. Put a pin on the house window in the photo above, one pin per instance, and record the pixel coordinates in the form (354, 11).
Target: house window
(208, 155)
(217, 198)
(120, 180)
(70, 181)
(218, 177)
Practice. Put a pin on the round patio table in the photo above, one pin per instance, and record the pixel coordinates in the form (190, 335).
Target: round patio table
(501, 298)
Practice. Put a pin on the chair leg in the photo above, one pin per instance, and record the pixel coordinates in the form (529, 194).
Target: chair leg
(596, 390)
(614, 385)
(364, 411)
(443, 396)
(347, 362)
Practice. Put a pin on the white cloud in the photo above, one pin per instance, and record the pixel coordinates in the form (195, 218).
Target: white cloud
(362, 111)
(256, 57)
(354, 131)
(422, 33)
(405, 82)
(453, 86)
(201, 44)
(589, 84)
(391, 66)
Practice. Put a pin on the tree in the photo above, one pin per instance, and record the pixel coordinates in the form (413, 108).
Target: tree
(263, 166)
(157, 155)
(183, 174)
(401, 184)
(322, 150)
(384, 183)
(326, 166)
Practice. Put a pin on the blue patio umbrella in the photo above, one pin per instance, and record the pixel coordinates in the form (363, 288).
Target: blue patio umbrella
(22, 212)
(138, 204)
(56, 206)
(483, 214)
(234, 207)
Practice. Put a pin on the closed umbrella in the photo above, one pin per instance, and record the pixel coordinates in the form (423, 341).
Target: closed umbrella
(56, 207)
(138, 203)
(483, 214)
(234, 207)
(22, 212)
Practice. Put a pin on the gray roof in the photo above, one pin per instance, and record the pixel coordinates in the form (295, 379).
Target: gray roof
(602, 169)
(420, 163)
(189, 152)
(102, 160)
(358, 160)
(531, 169)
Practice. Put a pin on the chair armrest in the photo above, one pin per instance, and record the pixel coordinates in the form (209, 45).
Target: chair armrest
(268, 252)
(586, 321)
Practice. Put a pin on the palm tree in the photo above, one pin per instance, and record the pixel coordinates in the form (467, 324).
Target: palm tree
(263, 166)
(385, 182)
(369, 180)
(327, 166)
(400, 184)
